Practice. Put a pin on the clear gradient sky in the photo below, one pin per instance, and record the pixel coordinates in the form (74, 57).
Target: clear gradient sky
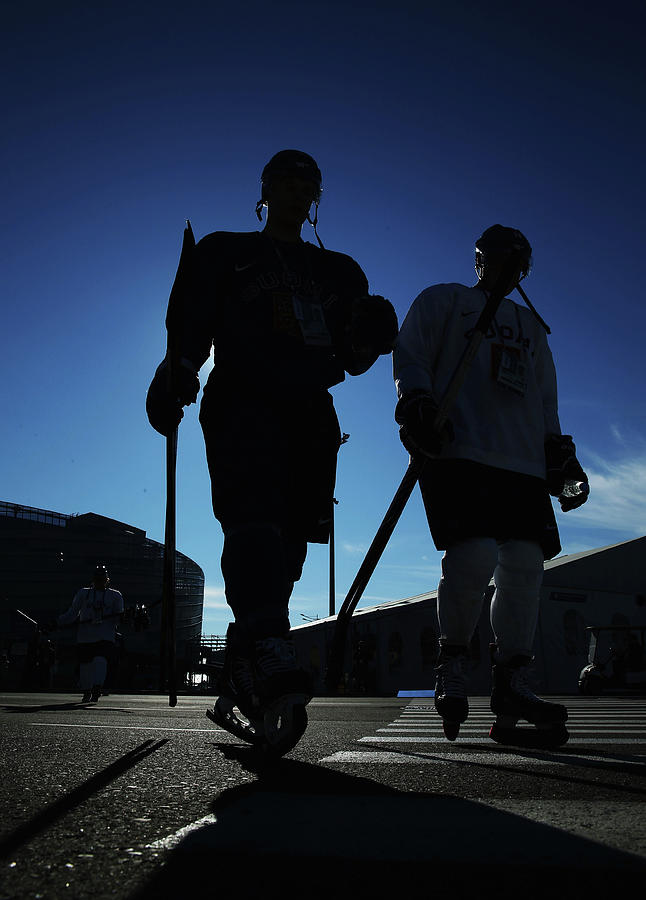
(430, 121)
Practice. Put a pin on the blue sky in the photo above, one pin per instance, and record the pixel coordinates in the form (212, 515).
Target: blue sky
(430, 122)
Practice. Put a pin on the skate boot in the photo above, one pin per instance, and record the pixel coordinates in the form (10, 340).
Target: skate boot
(237, 708)
(284, 690)
(451, 688)
(512, 699)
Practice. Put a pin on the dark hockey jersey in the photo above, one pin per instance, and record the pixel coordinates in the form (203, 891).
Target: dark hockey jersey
(276, 313)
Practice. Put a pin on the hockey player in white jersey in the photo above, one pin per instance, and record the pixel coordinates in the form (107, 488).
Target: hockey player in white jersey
(98, 609)
(486, 481)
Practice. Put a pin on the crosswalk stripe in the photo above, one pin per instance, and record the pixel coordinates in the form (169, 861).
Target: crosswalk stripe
(423, 739)
(590, 721)
(466, 730)
(492, 758)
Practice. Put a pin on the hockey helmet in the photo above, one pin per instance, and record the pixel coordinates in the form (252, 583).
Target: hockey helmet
(292, 162)
(289, 162)
(101, 574)
(499, 241)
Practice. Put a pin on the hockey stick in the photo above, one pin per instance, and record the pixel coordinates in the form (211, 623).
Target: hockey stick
(48, 630)
(408, 482)
(168, 654)
(29, 619)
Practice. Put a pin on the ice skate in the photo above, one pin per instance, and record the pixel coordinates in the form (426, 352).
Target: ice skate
(263, 693)
(451, 689)
(284, 692)
(237, 708)
(512, 699)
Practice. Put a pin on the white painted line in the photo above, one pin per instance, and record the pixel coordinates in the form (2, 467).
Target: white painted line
(126, 727)
(472, 729)
(166, 708)
(173, 840)
(482, 740)
(595, 715)
(108, 706)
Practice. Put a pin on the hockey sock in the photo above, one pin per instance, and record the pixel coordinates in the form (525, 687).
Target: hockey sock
(86, 675)
(514, 607)
(100, 669)
(467, 567)
(256, 577)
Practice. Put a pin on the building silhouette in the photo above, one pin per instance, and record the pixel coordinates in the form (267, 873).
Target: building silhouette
(393, 647)
(46, 556)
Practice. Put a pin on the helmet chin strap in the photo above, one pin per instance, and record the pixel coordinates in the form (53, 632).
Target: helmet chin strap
(315, 222)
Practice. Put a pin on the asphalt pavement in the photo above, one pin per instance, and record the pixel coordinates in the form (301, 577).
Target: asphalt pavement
(129, 798)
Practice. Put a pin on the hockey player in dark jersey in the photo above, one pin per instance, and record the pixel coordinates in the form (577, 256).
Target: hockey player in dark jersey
(287, 320)
(487, 480)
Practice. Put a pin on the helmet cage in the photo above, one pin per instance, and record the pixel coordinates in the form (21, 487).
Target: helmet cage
(101, 574)
(497, 243)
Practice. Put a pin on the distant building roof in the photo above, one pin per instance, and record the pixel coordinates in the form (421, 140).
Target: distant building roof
(617, 568)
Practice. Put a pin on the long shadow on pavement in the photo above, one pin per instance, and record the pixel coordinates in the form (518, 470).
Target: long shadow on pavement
(617, 765)
(303, 829)
(61, 807)
(49, 707)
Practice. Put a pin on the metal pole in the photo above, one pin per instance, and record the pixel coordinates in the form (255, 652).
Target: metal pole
(332, 608)
(332, 604)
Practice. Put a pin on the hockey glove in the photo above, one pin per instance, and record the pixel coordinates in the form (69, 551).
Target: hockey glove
(565, 476)
(416, 415)
(374, 325)
(163, 404)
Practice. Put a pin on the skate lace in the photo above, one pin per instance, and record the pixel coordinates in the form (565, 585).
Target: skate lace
(451, 679)
(242, 675)
(519, 683)
(275, 656)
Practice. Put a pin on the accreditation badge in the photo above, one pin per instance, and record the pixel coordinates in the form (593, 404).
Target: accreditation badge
(311, 320)
(509, 367)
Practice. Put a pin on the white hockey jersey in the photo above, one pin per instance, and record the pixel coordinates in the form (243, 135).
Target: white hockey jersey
(499, 419)
(98, 614)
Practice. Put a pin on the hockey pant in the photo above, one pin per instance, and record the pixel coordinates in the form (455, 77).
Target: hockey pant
(273, 468)
(93, 663)
(467, 568)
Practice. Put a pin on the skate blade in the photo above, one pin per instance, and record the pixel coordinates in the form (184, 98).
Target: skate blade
(285, 721)
(224, 715)
(451, 729)
(545, 737)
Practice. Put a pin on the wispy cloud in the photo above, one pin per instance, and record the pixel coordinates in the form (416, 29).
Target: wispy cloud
(355, 548)
(214, 597)
(415, 569)
(617, 435)
(617, 496)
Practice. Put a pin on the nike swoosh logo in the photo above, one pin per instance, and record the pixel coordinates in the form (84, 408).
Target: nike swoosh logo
(471, 312)
(240, 268)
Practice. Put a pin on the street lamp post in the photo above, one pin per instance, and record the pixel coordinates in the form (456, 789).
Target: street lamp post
(344, 439)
